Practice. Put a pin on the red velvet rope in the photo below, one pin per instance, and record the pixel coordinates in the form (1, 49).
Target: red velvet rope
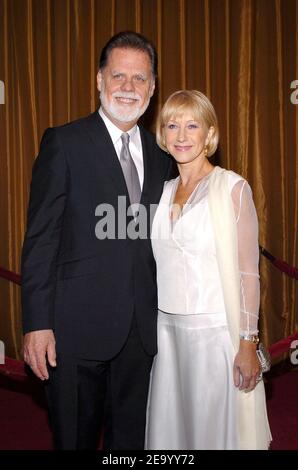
(17, 368)
(282, 346)
(281, 265)
(13, 367)
(10, 276)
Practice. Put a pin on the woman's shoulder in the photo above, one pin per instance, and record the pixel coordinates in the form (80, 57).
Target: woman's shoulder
(232, 178)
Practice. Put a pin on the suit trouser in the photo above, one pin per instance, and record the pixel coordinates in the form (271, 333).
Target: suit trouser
(86, 397)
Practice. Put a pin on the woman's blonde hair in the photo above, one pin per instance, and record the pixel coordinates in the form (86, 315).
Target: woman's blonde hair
(195, 103)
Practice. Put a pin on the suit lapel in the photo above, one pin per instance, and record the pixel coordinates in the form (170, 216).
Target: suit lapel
(148, 167)
(106, 152)
(107, 157)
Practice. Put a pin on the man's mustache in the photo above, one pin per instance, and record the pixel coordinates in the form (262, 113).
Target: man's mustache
(126, 94)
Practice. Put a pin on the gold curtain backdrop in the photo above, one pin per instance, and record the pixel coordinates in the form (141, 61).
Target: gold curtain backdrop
(241, 53)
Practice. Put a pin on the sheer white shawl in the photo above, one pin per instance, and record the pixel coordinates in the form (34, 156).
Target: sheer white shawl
(253, 426)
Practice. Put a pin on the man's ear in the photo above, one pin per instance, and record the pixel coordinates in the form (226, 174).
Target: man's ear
(152, 88)
(99, 80)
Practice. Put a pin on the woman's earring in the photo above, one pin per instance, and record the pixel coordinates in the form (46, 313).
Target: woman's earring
(206, 151)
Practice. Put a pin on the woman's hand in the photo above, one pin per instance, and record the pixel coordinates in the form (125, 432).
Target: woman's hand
(247, 367)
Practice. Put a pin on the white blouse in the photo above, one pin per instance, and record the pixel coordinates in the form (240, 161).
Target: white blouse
(187, 272)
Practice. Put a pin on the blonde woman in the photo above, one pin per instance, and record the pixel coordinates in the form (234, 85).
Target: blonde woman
(206, 387)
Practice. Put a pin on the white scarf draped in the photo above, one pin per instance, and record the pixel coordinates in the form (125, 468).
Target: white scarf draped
(253, 427)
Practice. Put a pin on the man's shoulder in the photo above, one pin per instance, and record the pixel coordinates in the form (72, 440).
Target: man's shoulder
(71, 135)
(74, 133)
(73, 126)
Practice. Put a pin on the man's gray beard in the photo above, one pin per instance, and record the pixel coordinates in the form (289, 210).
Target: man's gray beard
(117, 112)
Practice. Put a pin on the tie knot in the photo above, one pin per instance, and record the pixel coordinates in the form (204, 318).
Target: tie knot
(125, 138)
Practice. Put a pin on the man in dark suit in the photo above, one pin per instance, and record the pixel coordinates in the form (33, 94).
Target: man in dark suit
(89, 301)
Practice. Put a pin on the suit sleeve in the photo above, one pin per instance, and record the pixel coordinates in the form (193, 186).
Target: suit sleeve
(44, 223)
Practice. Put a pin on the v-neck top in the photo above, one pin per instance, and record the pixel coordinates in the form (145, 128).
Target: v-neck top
(198, 192)
(187, 273)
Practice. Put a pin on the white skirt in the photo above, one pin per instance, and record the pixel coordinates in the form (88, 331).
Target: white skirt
(192, 398)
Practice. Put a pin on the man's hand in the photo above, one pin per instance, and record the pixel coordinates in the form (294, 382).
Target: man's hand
(37, 346)
(247, 367)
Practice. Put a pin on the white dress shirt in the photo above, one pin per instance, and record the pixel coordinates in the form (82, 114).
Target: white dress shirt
(135, 143)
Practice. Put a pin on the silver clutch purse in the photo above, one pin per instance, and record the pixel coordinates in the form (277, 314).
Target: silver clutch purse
(264, 357)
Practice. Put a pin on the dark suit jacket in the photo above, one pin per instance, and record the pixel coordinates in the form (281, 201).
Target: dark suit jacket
(83, 288)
